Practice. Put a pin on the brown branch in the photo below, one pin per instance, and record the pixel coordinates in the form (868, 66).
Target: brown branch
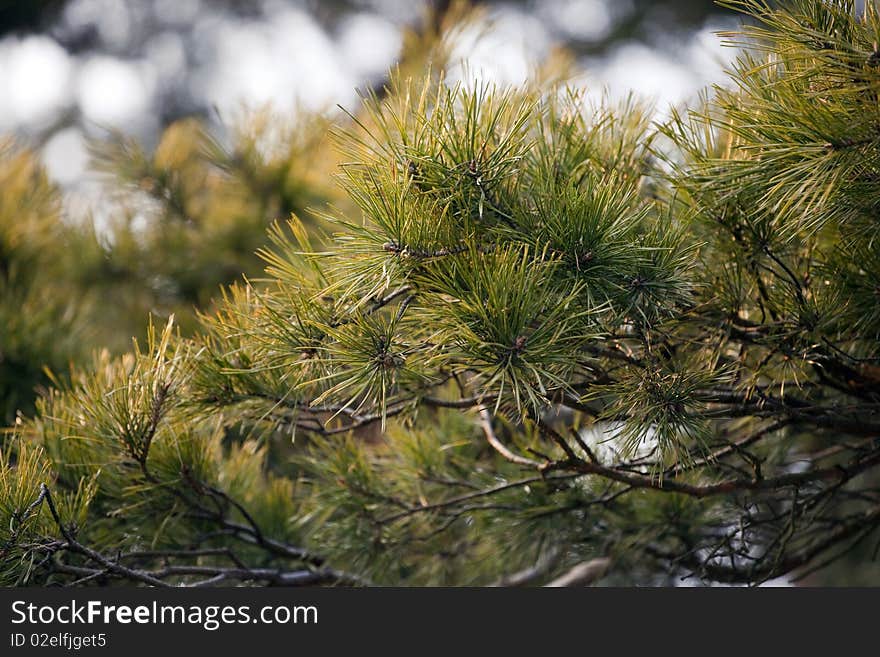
(75, 546)
(216, 574)
(498, 446)
(732, 574)
(583, 574)
(528, 575)
(476, 494)
(837, 472)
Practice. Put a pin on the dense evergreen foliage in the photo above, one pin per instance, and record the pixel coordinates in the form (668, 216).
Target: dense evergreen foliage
(545, 336)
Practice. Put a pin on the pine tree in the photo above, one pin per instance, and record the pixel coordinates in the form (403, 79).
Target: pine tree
(555, 343)
(193, 212)
(179, 223)
(41, 305)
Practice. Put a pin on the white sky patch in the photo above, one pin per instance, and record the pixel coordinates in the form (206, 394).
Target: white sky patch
(35, 77)
(114, 92)
(590, 20)
(506, 51)
(652, 74)
(672, 72)
(709, 56)
(286, 62)
(369, 44)
(604, 439)
(166, 51)
(66, 156)
(402, 11)
(111, 18)
(176, 12)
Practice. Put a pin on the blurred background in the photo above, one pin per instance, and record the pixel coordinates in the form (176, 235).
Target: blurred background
(70, 69)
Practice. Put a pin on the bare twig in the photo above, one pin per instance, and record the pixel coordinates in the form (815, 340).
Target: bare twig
(583, 574)
(498, 446)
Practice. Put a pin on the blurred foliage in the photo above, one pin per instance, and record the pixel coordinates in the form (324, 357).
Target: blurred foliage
(43, 311)
(191, 215)
(176, 224)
